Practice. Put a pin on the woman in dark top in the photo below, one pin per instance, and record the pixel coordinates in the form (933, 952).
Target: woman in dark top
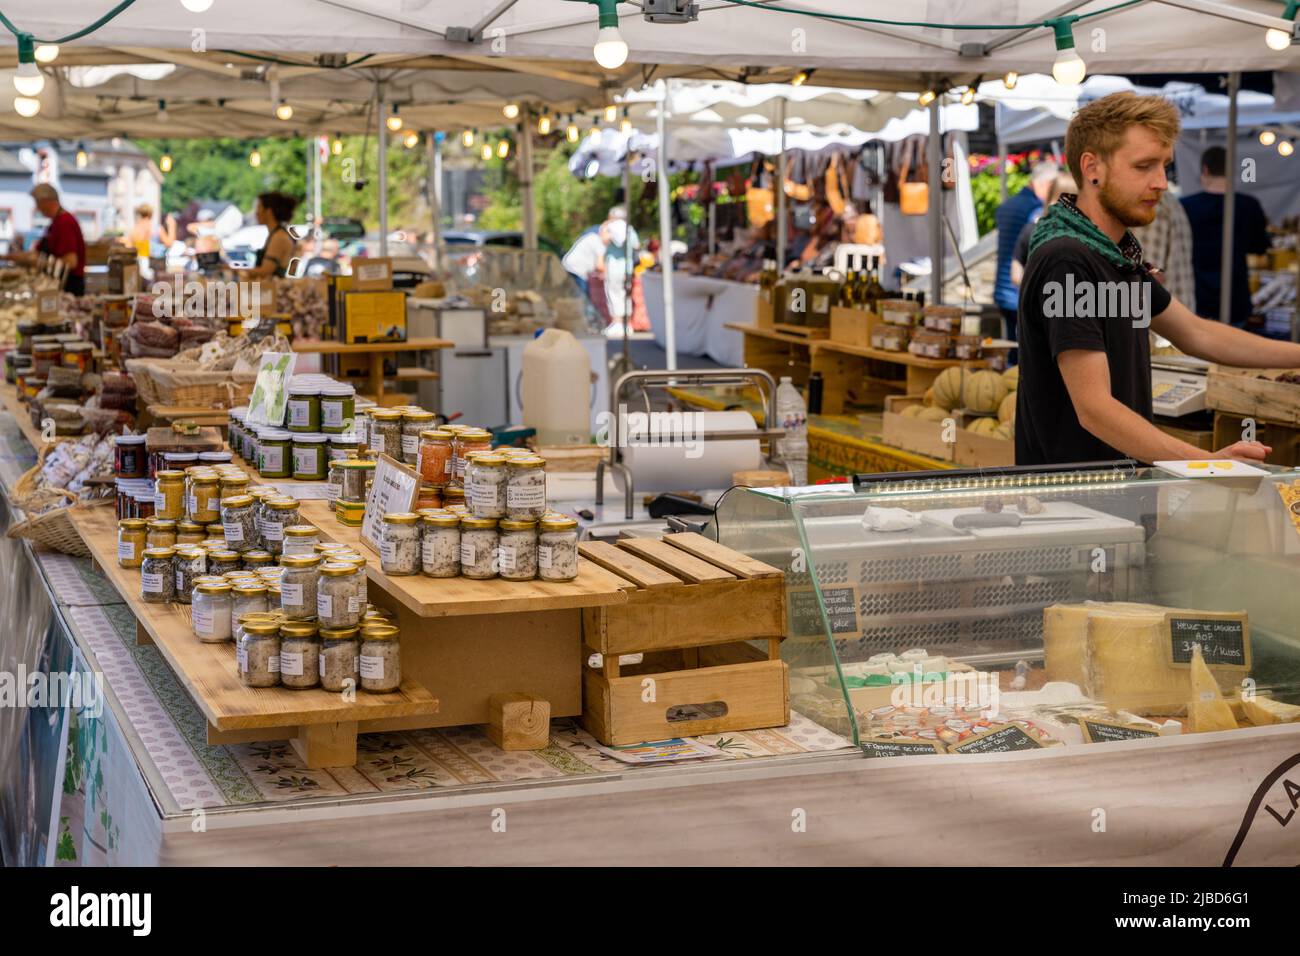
(273, 210)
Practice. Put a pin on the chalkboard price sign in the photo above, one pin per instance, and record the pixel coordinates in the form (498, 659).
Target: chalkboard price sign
(841, 609)
(889, 747)
(1224, 639)
(1106, 731)
(1004, 738)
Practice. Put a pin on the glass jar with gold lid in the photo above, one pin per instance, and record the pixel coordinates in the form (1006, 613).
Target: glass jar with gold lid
(131, 542)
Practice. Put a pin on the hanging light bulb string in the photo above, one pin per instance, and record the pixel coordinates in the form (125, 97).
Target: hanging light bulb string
(881, 21)
(76, 34)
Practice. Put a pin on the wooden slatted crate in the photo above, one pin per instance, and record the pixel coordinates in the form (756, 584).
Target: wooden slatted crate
(694, 607)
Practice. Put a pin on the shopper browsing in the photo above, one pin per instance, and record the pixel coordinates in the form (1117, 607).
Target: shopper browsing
(62, 240)
(1089, 302)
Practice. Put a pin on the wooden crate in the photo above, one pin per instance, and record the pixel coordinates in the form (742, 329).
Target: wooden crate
(1201, 438)
(1241, 391)
(1284, 439)
(851, 326)
(928, 438)
(693, 605)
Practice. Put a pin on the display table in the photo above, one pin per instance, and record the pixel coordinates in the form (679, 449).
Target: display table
(375, 352)
(704, 313)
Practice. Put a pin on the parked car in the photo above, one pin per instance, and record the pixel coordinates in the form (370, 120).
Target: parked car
(480, 237)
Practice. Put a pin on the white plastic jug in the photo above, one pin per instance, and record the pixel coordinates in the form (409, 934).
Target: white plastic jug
(556, 389)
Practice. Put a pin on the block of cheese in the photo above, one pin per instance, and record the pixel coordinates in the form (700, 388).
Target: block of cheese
(1207, 710)
(1065, 636)
(1262, 711)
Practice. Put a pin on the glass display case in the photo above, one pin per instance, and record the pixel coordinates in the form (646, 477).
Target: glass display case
(953, 613)
(520, 290)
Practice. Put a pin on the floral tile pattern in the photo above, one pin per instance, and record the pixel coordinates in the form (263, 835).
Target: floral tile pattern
(74, 582)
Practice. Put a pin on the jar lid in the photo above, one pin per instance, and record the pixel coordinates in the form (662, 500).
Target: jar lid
(379, 632)
(210, 579)
(300, 560)
(338, 390)
(162, 524)
(218, 456)
(418, 415)
(250, 587)
(557, 523)
(269, 573)
(325, 547)
(180, 456)
(436, 434)
(189, 551)
(212, 587)
(283, 504)
(310, 438)
(346, 438)
(488, 459)
(475, 434)
(237, 501)
(517, 524)
(274, 434)
(258, 557)
(260, 628)
(170, 475)
(339, 633)
(530, 462)
(308, 388)
(300, 531)
(472, 522)
(444, 520)
(131, 524)
(401, 517)
(159, 552)
(298, 629)
(129, 440)
(205, 479)
(431, 511)
(356, 560)
(338, 569)
(239, 575)
(358, 463)
(385, 414)
(223, 554)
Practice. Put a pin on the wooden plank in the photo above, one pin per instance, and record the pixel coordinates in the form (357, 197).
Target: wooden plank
(327, 745)
(896, 358)
(359, 348)
(519, 721)
(1243, 392)
(208, 672)
(675, 560)
(741, 565)
(771, 333)
(695, 616)
(636, 572)
(23, 417)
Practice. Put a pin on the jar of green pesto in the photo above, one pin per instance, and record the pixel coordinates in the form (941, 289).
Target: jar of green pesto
(310, 456)
(274, 453)
(337, 408)
(304, 407)
(344, 446)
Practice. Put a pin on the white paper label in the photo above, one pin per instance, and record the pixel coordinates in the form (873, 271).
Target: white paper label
(377, 444)
(304, 460)
(388, 552)
(449, 466)
(234, 532)
(159, 502)
(460, 466)
(291, 594)
(271, 458)
(291, 664)
(532, 497)
(467, 552)
(180, 580)
(320, 663)
(153, 583)
(331, 414)
(324, 604)
(299, 412)
(241, 658)
(354, 604)
(544, 556)
(410, 445)
(275, 664)
(126, 550)
(372, 667)
(203, 620)
(273, 531)
(506, 554)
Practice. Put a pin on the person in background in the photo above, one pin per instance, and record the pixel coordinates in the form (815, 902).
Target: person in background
(140, 238)
(1249, 237)
(587, 256)
(620, 260)
(1011, 218)
(326, 260)
(1061, 185)
(62, 239)
(1167, 245)
(273, 210)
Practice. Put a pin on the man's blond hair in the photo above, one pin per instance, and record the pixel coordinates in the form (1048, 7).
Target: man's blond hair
(1100, 126)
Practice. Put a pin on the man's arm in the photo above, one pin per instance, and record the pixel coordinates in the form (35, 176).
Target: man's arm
(1087, 378)
(1221, 343)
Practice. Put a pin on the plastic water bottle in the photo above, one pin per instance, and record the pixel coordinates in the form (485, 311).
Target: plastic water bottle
(793, 417)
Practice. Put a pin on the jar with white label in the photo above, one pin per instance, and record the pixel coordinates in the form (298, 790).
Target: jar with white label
(478, 548)
(221, 560)
(257, 654)
(517, 550)
(304, 409)
(160, 533)
(385, 434)
(157, 579)
(399, 549)
(278, 514)
(188, 565)
(381, 658)
(300, 647)
(525, 488)
(131, 542)
(467, 440)
(169, 495)
(239, 524)
(358, 562)
(485, 485)
(204, 505)
(414, 422)
(339, 665)
(337, 405)
(334, 479)
(557, 548)
(257, 560)
(298, 586)
(300, 539)
(310, 456)
(356, 480)
(440, 545)
(210, 614)
(248, 596)
(338, 595)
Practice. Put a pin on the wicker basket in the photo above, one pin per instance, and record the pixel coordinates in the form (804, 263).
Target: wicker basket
(54, 528)
(173, 382)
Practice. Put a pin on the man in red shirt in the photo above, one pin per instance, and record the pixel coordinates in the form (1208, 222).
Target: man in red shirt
(63, 239)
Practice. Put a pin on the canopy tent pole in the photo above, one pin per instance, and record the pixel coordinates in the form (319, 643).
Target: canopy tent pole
(525, 172)
(434, 191)
(666, 232)
(780, 190)
(1229, 200)
(382, 134)
(313, 144)
(713, 226)
(1002, 171)
(935, 210)
(629, 277)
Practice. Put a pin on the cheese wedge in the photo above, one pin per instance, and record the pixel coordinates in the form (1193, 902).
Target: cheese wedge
(1207, 710)
(1263, 711)
(1126, 664)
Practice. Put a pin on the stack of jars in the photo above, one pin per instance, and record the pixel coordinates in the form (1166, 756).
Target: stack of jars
(273, 651)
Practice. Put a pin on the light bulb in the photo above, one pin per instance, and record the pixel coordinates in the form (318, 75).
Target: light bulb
(83, 158)
(196, 6)
(611, 113)
(1285, 148)
(503, 148)
(610, 50)
(625, 126)
(162, 111)
(47, 52)
(486, 151)
(543, 125)
(801, 78)
(26, 106)
(1009, 81)
(411, 140)
(926, 98)
(1069, 69)
(1277, 39)
(968, 96)
(394, 122)
(165, 163)
(255, 159)
(571, 132)
(467, 138)
(28, 79)
(511, 110)
(1267, 137)
(337, 147)
(593, 134)
(283, 111)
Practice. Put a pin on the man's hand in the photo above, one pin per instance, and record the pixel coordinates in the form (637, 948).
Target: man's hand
(1251, 452)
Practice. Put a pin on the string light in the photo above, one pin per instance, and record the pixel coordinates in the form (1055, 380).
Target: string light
(802, 77)
(1267, 137)
(394, 121)
(511, 110)
(571, 131)
(611, 113)
(283, 111)
(83, 158)
(467, 138)
(926, 98)
(625, 125)
(411, 139)
(46, 52)
(543, 125)
(610, 50)
(26, 106)
(28, 78)
(1281, 39)
(968, 96)
(1285, 147)
(1069, 68)
(165, 163)
(593, 134)
(337, 146)
(1010, 80)
(162, 111)
(486, 151)
(255, 158)
(196, 6)
(503, 148)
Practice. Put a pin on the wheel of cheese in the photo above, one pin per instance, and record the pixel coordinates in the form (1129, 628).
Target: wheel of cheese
(983, 426)
(983, 392)
(948, 387)
(1007, 410)
(1011, 378)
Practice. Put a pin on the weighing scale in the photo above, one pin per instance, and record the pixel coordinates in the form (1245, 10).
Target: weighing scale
(1178, 385)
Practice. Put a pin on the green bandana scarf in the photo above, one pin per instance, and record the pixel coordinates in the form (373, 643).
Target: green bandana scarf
(1064, 219)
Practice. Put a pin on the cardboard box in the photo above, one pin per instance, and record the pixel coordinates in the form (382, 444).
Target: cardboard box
(851, 326)
(374, 316)
(372, 275)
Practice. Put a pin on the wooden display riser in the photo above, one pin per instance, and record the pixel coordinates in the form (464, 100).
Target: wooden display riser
(321, 725)
(23, 416)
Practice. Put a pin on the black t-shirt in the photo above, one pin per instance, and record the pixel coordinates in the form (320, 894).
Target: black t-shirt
(1074, 298)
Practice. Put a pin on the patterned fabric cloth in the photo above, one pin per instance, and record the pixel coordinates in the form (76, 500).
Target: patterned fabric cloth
(1167, 243)
(1065, 219)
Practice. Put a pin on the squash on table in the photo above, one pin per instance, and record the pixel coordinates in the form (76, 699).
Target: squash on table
(983, 391)
(1007, 410)
(948, 387)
